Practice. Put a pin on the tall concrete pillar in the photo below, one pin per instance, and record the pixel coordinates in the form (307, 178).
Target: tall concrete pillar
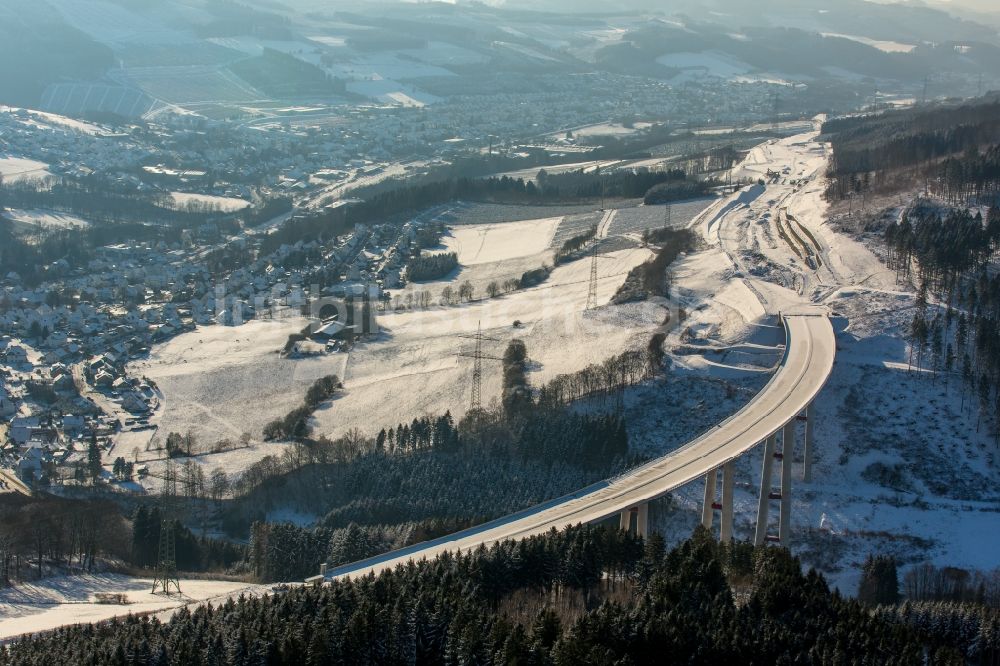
(787, 449)
(625, 520)
(807, 452)
(708, 509)
(642, 520)
(728, 474)
(765, 491)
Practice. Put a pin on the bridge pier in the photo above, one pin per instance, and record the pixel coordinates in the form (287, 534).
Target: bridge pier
(787, 458)
(784, 495)
(807, 451)
(725, 506)
(765, 491)
(707, 507)
(641, 513)
(642, 520)
(726, 527)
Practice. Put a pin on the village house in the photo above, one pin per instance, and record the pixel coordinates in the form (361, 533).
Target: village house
(30, 466)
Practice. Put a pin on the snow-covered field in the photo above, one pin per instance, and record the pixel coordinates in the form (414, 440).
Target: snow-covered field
(488, 243)
(390, 91)
(532, 173)
(47, 218)
(482, 262)
(62, 600)
(182, 200)
(881, 45)
(13, 169)
(221, 382)
(53, 121)
(636, 219)
(768, 248)
(706, 63)
(604, 129)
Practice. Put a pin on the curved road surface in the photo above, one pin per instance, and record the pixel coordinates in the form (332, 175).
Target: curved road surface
(809, 352)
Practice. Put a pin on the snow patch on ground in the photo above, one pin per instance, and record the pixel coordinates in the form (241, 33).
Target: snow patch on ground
(881, 45)
(64, 600)
(707, 63)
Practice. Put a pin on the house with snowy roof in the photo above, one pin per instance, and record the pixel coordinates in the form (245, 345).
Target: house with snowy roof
(30, 465)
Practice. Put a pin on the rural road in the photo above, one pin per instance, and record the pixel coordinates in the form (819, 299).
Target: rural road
(13, 484)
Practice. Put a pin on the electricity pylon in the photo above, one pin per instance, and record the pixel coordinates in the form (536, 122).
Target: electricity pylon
(166, 561)
(477, 357)
(592, 291)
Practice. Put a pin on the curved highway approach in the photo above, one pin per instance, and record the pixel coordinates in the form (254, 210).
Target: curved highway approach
(810, 347)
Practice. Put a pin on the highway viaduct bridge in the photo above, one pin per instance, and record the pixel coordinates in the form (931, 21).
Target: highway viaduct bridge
(770, 418)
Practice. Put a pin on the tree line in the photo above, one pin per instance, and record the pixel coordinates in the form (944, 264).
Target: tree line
(582, 595)
(956, 143)
(652, 277)
(946, 248)
(953, 254)
(434, 467)
(297, 423)
(423, 461)
(424, 267)
(38, 533)
(193, 553)
(283, 552)
(677, 190)
(98, 200)
(608, 380)
(393, 202)
(569, 250)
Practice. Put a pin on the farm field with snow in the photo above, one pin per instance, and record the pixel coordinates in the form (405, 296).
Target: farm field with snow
(61, 600)
(488, 243)
(221, 382)
(46, 218)
(184, 200)
(13, 169)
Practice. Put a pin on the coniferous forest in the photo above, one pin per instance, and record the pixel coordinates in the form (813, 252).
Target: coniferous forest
(951, 147)
(587, 595)
(950, 256)
(947, 241)
(422, 268)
